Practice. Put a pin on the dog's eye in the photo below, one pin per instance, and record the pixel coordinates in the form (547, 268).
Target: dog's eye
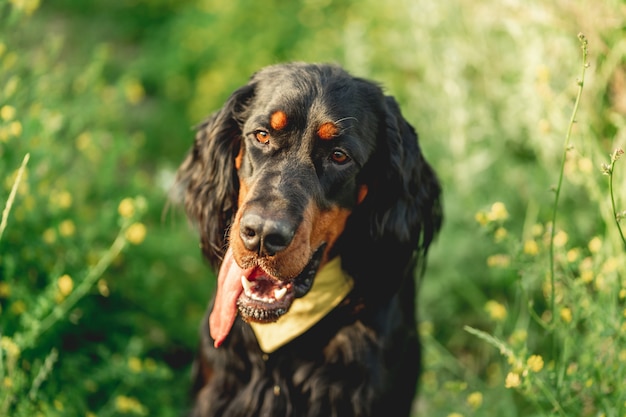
(339, 157)
(262, 136)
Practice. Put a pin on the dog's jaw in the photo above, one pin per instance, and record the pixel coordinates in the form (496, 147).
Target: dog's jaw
(255, 294)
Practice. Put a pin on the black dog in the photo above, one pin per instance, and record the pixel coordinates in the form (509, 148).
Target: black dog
(314, 201)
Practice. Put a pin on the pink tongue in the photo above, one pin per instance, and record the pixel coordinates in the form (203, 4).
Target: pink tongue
(228, 291)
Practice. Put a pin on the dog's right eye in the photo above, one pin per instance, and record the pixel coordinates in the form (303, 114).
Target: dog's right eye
(339, 157)
(262, 136)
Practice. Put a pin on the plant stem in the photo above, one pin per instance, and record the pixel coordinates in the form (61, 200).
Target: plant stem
(615, 216)
(568, 136)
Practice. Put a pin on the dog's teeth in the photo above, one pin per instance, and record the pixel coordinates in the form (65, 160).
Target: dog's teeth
(280, 293)
(247, 286)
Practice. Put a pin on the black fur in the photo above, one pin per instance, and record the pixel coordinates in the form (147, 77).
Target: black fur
(363, 358)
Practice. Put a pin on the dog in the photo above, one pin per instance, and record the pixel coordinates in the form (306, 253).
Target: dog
(314, 202)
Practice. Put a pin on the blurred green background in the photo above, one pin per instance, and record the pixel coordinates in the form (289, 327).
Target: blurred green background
(103, 95)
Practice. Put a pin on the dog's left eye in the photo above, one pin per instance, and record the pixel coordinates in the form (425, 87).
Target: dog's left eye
(339, 157)
(262, 136)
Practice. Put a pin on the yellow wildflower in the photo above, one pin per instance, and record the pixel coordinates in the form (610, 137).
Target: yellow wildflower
(531, 248)
(136, 233)
(595, 245)
(126, 208)
(622, 293)
(513, 380)
(4, 135)
(573, 255)
(601, 282)
(83, 141)
(126, 404)
(572, 368)
(560, 239)
(586, 276)
(11, 86)
(495, 310)
(67, 228)
(65, 284)
(10, 347)
(15, 128)
(455, 415)
(500, 234)
(61, 199)
(103, 288)
(518, 336)
(49, 236)
(134, 364)
(499, 260)
(535, 363)
(611, 265)
(134, 91)
(27, 6)
(475, 399)
(18, 307)
(537, 229)
(58, 405)
(566, 315)
(498, 212)
(481, 218)
(7, 382)
(7, 112)
(5, 290)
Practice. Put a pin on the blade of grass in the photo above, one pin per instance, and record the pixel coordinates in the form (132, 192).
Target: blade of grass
(9, 204)
(493, 341)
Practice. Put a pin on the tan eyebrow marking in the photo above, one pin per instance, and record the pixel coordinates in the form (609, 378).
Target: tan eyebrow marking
(278, 120)
(327, 131)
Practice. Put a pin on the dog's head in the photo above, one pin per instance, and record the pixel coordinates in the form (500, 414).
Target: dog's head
(301, 164)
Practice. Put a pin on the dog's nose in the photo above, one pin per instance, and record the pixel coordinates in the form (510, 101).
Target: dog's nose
(265, 236)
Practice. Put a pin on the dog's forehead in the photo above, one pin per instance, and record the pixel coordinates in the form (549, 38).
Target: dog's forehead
(331, 102)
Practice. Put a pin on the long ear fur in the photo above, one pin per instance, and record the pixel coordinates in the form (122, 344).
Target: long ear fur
(209, 177)
(401, 213)
(408, 205)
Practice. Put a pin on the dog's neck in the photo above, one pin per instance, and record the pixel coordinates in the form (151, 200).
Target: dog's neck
(331, 285)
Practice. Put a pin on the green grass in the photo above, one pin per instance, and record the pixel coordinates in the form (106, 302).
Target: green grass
(102, 287)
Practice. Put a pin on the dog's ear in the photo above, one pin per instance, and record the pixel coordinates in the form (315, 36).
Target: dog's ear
(401, 213)
(208, 175)
(406, 202)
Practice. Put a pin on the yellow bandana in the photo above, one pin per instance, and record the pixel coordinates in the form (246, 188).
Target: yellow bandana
(330, 287)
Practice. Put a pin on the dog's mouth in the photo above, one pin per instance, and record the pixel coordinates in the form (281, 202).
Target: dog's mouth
(256, 294)
(265, 298)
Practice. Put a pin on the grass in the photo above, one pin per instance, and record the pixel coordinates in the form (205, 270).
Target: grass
(9, 203)
(102, 288)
